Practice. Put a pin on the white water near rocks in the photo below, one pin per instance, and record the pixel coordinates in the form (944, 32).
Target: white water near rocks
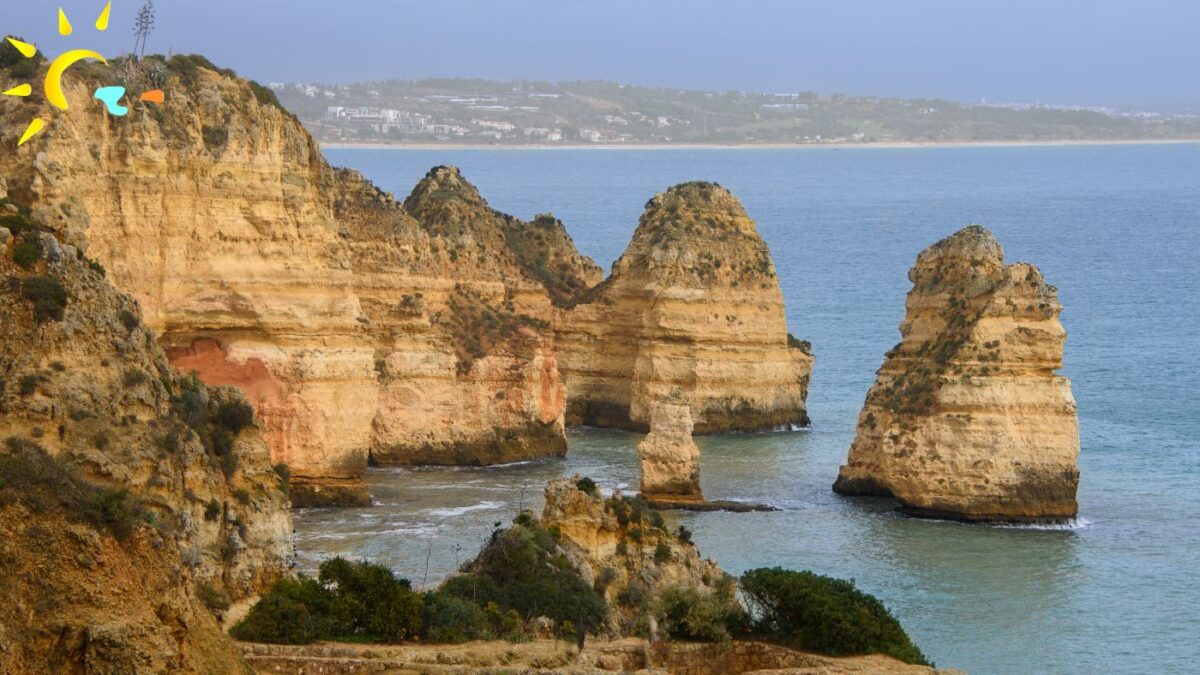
(1117, 228)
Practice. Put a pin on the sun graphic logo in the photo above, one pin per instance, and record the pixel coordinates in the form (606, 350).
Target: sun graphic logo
(110, 96)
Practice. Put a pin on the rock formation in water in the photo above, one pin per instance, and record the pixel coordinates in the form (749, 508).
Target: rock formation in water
(670, 460)
(967, 418)
(691, 311)
(355, 329)
(130, 496)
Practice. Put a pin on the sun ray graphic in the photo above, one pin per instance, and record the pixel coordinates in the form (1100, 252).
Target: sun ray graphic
(53, 82)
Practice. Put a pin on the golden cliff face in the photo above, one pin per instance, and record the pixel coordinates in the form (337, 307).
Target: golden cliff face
(692, 310)
(90, 405)
(967, 418)
(312, 291)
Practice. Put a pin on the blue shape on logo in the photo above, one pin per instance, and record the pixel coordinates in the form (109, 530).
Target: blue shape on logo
(111, 96)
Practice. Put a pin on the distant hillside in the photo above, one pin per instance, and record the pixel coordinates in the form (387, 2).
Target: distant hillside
(522, 112)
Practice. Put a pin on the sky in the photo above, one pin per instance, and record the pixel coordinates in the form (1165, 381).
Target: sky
(1140, 53)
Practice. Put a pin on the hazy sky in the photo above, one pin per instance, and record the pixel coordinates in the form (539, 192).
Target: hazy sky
(1136, 52)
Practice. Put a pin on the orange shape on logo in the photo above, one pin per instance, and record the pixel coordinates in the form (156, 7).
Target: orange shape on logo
(154, 96)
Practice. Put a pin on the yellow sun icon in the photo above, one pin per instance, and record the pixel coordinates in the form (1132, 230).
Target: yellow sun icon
(53, 82)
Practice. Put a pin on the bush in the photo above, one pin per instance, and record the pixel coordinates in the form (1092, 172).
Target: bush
(234, 415)
(49, 298)
(27, 384)
(354, 601)
(128, 319)
(587, 485)
(284, 615)
(537, 579)
(212, 510)
(662, 552)
(27, 253)
(134, 378)
(825, 615)
(689, 614)
(285, 477)
(213, 598)
(29, 475)
(451, 619)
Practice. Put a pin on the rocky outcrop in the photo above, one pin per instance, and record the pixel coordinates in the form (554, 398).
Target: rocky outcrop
(693, 311)
(967, 418)
(623, 549)
(670, 460)
(101, 434)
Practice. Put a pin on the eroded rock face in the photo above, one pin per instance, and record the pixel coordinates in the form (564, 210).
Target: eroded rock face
(320, 296)
(86, 386)
(967, 418)
(692, 310)
(670, 460)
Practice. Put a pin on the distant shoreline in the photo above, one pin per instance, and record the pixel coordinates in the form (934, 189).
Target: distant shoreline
(746, 146)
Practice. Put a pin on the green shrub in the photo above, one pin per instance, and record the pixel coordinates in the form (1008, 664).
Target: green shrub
(213, 598)
(212, 510)
(662, 552)
(687, 613)
(29, 475)
(452, 619)
(684, 535)
(134, 378)
(27, 384)
(348, 601)
(285, 476)
(587, 485)
(214, 138)
(241, 495)
(48, 295)
(27, 253)
(285, 615)
(536, 579)
(825, 615)
(129, 320)
(234, 415)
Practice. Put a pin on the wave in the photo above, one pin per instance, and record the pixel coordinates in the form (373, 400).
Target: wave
(460, 510)
(1073, 524)
(335, 535)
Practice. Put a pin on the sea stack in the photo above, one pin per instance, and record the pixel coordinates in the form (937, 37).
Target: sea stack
(967, 418)
(692, 312)
(669, 457)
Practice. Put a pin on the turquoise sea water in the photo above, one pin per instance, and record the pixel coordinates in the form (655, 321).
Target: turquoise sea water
(1117, 228)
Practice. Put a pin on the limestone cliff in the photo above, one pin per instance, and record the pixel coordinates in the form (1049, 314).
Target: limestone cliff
(967, 418)
(308, 288)
(692, 310)
(98, 428)
(670, 460)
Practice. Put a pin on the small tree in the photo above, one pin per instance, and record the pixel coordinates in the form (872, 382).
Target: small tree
(143, 23)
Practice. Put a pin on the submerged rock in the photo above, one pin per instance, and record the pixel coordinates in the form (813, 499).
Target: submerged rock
(967, 418)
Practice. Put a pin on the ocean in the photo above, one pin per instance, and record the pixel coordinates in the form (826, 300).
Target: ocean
(1115, 227)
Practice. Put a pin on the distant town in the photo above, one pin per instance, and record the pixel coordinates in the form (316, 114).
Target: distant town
(478, 112)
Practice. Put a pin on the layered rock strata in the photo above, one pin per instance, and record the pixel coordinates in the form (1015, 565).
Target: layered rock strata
(692, 311)
(967, 418)
(102, 436)
(315, 293)
(670, 460)
(436, 330)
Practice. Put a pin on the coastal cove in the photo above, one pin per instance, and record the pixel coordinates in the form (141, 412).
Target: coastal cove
(1115, 227)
